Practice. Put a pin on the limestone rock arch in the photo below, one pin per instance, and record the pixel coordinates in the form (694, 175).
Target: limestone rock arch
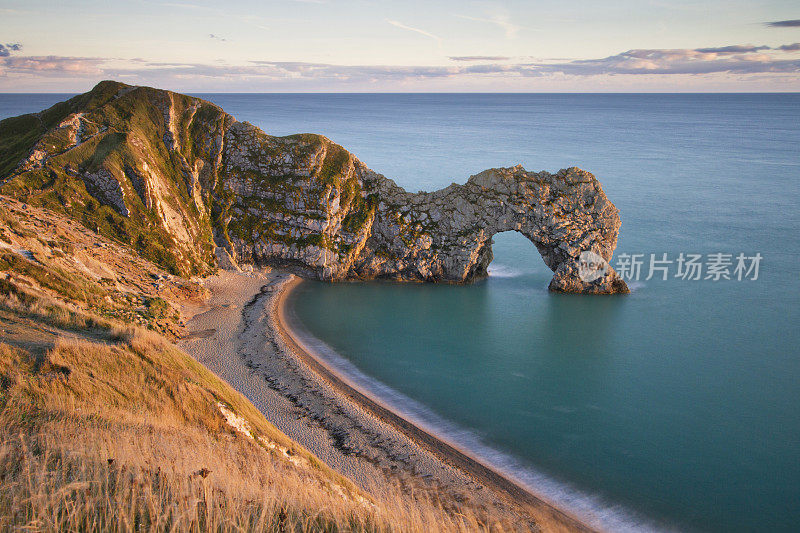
(562, 214)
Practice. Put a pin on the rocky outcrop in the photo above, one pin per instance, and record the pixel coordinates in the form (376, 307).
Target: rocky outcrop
(179, 168)
(102, 184)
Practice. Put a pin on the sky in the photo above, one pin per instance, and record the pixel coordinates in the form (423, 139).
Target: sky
(402, 46)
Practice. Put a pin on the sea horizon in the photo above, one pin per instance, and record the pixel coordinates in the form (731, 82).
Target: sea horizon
(584, 392)
(359, 266)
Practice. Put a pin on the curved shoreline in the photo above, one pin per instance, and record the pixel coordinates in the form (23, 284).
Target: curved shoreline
(445, 451)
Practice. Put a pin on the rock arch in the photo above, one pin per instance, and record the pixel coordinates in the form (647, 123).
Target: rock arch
(209, 190)
(450, 239)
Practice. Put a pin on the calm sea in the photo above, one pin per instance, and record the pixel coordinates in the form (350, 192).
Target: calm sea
(675, 407)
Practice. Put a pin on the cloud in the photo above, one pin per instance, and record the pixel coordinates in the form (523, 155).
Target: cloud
(478, 58)
(284, 69)
(53, 65)
(502, 21)
(735, 49)
(739, 60)
(784, 23)
(6, 49)
(417, 30)
(183, 5)
(223, 11)
(745, 59)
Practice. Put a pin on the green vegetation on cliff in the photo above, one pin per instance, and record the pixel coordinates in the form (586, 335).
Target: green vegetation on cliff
(144, 167)
(105, 426)
(110, 130)
(175, 177)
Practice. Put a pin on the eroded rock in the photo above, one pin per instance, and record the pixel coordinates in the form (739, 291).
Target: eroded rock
(209, 190)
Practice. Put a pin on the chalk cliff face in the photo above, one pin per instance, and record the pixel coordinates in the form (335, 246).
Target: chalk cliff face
(187, 185)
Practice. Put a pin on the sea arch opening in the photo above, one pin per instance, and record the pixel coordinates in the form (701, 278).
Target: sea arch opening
(515, 255)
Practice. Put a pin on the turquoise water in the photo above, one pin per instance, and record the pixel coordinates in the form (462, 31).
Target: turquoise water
(675, 406)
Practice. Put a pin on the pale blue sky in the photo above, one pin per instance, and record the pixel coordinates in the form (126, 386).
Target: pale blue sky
(363, 45)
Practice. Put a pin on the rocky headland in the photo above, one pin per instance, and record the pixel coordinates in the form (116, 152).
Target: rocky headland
(191, 188)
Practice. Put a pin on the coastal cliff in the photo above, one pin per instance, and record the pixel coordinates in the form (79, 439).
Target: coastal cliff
(191, 188)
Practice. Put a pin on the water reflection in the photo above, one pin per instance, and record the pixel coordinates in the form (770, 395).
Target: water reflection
(578, 326)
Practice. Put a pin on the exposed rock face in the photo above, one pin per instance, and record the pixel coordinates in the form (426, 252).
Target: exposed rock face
(562, 214)
(104, 185)
(209, 184)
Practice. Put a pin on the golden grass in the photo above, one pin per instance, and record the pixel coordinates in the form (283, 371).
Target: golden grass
(115, 429)
(62, 315)
(128, 434)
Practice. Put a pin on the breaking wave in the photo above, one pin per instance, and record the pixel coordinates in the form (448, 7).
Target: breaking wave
(503, 271)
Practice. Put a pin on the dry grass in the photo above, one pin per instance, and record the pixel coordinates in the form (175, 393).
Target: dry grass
(129, 435)
(62, 315)
(116, 429)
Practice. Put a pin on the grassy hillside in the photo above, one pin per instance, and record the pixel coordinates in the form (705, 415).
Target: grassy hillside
(173, 177)
(126, 432)
(105, 426)
(115, 159)
(18, 135)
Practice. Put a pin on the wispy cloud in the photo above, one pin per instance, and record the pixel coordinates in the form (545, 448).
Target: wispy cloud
(744, 59)
(6, 49)
(222, 12)
(502, 21)
(739, 60)
(784, 23)
(478, 58)
(184, 5)
(734, 49)
(416, 30)
(282, 69)
(53, 65)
